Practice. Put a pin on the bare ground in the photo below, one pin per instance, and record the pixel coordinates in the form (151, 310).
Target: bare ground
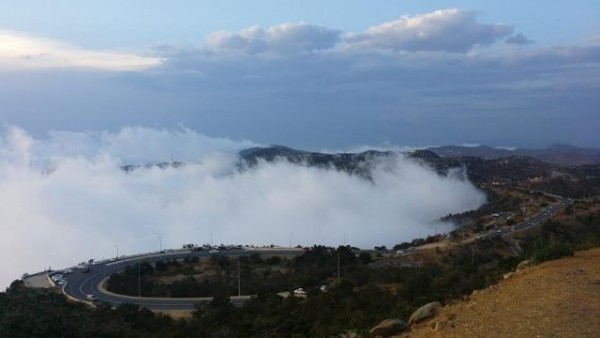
(555, 299)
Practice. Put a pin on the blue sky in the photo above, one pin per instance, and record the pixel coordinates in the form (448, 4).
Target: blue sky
(308, 73)
(113, 23)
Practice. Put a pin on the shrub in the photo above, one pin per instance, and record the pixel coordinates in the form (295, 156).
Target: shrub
(544, 250)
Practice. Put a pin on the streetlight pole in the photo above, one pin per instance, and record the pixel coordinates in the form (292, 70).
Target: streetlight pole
(139, 282)
(159, 243)
(117, 246)
(338, 266)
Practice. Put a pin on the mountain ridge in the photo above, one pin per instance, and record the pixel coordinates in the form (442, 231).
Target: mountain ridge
(561, 154)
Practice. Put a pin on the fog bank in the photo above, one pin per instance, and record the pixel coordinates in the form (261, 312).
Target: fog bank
(65, 198)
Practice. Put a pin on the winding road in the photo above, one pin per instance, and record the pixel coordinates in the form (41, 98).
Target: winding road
(80, 284)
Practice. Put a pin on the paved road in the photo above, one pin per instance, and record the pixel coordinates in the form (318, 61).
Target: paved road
(538, 218)
(79, 284)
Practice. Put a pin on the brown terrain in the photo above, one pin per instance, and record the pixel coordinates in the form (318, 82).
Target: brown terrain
(558, 298)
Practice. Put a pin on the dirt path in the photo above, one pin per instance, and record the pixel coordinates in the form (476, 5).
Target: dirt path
(555, 299)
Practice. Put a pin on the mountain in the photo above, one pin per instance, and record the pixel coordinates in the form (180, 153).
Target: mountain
(491, 167)
(560, 154)
(354, 163)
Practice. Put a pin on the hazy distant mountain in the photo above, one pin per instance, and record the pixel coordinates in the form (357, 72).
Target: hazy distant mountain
(557, 154)
(356, 163)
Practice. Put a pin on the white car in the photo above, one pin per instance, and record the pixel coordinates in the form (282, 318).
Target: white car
(56, 278)
(213, 251)
(299, 291)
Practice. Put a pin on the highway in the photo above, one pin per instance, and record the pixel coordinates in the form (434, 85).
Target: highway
(538, 218)
(80, 284)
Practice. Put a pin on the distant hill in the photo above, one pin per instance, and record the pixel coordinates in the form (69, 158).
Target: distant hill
(504, 170)
(354, 163)
(489, 167)
(557, 154)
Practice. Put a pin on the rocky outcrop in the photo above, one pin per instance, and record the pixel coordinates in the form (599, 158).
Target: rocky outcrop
(388, 328)
(424, 312)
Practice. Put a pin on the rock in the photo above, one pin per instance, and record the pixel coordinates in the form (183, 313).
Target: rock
(424, 311)
(522, 265)
(508, 275)
(439, 326)
(389, 327)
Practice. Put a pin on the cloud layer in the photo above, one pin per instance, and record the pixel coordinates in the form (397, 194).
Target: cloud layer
(449, 30)
(20, 51)
(419, 79)
(65, 199)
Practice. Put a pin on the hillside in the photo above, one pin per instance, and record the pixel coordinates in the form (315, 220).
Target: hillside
(560, 154)
(558, 298)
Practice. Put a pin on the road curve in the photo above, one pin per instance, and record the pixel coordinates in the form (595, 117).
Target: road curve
(535, 220)
(79, 284)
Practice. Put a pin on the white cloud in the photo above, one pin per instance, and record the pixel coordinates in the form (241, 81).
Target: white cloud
(449, 30)
(86, 203)
(283, 38)
(20, 51)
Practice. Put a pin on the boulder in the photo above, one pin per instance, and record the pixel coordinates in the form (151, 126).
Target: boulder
(424, 312)
(522, 265)
(389, 327)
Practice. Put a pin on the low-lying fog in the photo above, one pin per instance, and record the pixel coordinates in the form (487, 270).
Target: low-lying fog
(65, 198)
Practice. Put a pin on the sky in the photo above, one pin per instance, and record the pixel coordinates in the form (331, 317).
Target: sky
(307, 74)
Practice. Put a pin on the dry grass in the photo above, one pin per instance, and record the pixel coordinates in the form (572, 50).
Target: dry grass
(176, 314)
(556, 299)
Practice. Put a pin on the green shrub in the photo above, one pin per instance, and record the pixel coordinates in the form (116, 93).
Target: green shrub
(545, 250)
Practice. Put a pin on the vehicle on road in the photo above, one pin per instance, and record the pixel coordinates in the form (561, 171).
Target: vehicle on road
(299, 291)
(213, 251)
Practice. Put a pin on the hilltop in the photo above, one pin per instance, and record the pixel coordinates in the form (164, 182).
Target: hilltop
(559, 298)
